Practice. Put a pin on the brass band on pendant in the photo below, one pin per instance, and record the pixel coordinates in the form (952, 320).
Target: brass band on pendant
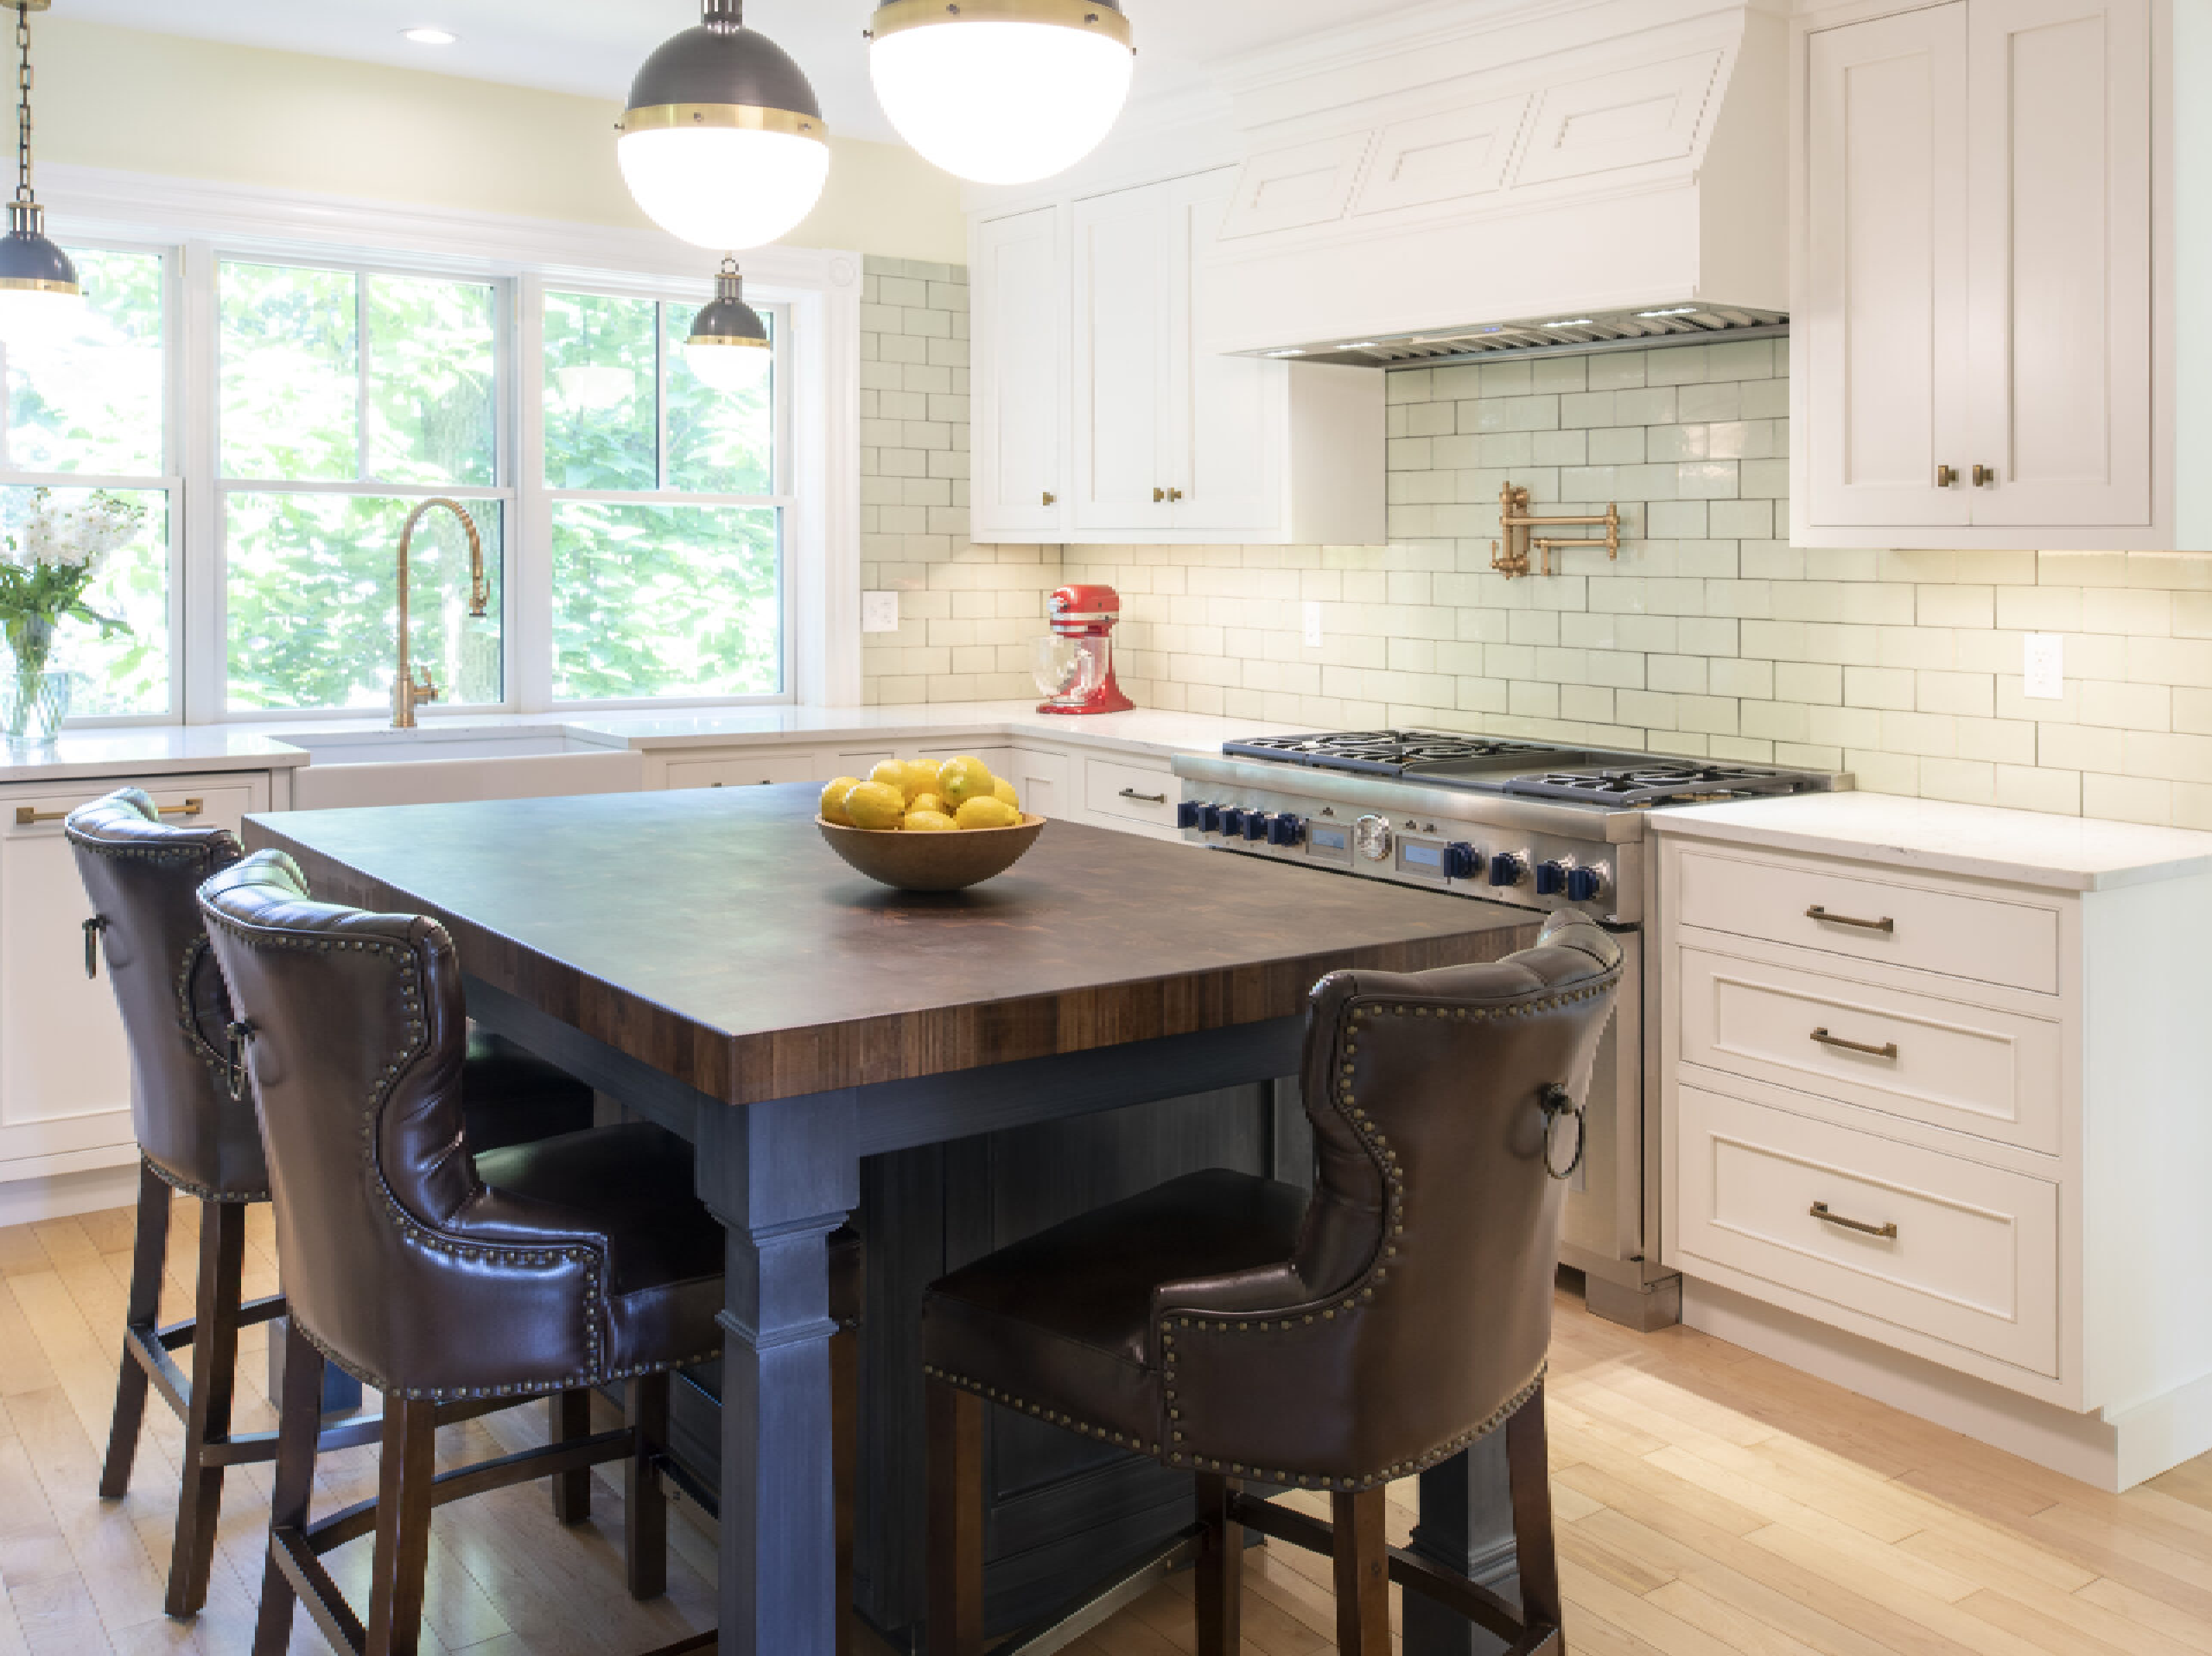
(28, 5)
(739, 341)
(743, 117)
(33, 284)
(1089, 16)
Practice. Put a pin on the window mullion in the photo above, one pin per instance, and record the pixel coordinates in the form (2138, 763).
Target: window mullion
(362, 351)
(197, 365)
(530, 571)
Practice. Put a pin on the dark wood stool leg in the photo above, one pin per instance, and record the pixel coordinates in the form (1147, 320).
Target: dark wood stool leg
(1363, 1572)
(571, 1417)
(1527, 1458)
(403, 1556)
(956, 1543)
(299, 1423)
(214, 1376)
(1221, 1570)
(645, 1536)
(149, 1256)
(844, 1467)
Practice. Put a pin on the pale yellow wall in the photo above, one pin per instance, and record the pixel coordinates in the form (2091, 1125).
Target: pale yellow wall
(146, 103)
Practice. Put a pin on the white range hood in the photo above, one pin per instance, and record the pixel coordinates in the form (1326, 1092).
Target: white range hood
(1507, 176)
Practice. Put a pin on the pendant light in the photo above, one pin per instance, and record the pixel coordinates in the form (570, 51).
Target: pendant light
(730, 348)
(37, 281)
(723, 143)
(1003, 92)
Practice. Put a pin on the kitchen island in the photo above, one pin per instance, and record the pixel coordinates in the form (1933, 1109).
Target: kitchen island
(705, 958)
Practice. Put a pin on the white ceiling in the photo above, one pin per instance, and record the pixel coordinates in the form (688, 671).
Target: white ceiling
(593, 47)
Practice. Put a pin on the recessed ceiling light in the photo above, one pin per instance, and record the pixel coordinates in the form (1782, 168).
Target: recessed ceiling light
(430, 36)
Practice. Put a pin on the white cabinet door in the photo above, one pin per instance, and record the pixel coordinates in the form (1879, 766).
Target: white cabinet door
(2059, 256)
(1884, 310)
(64, 1070)
(1225, 428)
(1123, 347)
(1020, 295)
(1041, 779)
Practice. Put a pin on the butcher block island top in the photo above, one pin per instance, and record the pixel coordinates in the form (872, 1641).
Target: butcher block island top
(714, 936)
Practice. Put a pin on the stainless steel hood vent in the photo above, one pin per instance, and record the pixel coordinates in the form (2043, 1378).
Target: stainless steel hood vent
(1558, 336)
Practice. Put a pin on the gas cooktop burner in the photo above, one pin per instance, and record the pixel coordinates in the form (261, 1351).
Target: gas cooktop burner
(1395, 752)
(1663, 782)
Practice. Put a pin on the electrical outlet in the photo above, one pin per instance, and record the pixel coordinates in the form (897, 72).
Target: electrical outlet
(1312, 626)
(2043, 666)
(878, 611)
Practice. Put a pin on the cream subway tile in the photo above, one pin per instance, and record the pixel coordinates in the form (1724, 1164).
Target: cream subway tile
(1844, 727)
(1655, 406)
(1559, 373)
(1615, 446)
(1719, 400)
(1877, 772)
(1966, 782)
(1848, 563)
(1408, 385)
(1617, 371)
(1972, 696)
(1709, 480)
(1709, 635)
(2127, 799)
(2082, 569)
(1529, 701)
(1560, 449)
(1683, 675)
(1618, 670)
(2169, 661)
(1742, 678)
(1879, 687)
(1646, 633)
(2127, 706)
(1647, 708)
(2004, 741)
(1775, 721)
(1487, 695)
(1742, 750)
(1813, 682)
(1590, 702)
(2025, 788)
(1766, 399)
(2167, 757)
(1715, 715)
(1411, 455)
(1807, 756)
(1924, 733)
(2192, 805)
(2077, 747)
(2137, 614)
(2175, 572)
(1429, 419)
(1533, 627)
(1955, 606)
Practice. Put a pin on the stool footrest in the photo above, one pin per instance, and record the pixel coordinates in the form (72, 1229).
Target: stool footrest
(1111, 1596)
(525, 1467)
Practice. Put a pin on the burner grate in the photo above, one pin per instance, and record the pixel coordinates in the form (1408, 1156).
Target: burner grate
(1390, 753)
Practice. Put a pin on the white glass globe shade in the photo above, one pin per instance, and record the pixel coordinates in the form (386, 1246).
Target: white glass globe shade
(724, 187)
(28, 315)
(1001, 103)
(730, 369)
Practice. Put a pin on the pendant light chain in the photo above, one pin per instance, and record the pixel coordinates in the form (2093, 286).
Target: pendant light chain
(23, 102)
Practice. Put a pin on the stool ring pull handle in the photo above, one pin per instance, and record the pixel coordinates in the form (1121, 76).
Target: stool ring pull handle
(93, 927)
(240, 1033)
(1558, 1102)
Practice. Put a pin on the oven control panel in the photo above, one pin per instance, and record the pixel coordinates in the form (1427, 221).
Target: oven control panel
(1470, 858)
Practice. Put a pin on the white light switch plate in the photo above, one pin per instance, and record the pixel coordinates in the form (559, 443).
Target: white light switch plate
(1312, 626)
(878, 611)
(2043, 665)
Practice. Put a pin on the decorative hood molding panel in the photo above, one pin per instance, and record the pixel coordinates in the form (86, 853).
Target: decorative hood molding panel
(1510, 163)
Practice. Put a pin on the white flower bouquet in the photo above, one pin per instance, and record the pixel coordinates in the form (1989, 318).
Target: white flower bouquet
(48, 559)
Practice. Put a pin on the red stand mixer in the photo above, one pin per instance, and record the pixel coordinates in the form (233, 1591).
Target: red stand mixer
(1075, 665)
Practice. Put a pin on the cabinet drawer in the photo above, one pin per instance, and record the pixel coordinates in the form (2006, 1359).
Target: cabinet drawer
(1814, 905)
(748, 770)
(1951, 1249)
(1969, 1069)
(1042, 781)
(1129, 792)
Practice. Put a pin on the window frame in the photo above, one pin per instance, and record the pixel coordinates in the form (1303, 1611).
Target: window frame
(172, 482)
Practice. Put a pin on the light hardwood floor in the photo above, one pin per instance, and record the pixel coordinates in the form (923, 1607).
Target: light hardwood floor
(1709, 1500)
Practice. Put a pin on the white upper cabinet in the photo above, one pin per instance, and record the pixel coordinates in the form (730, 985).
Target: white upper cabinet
(1092, 387)
(1974, 327)
(1019, 370)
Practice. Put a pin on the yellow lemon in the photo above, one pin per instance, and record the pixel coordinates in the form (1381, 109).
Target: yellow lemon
(871, 805)
(963, 779)
(1004, 790)
(929, 823)
(893, 775)
(928, 802)
(988, 812)
(833, 800)
(921, 778)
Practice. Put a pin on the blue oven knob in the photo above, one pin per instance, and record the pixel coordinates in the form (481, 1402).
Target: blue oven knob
(1285, 830)
(1506, 869)
(1461, 860)
(1583, 884)
(1190, 814)
(1551, 878)
(1209, 819)
(1256, 826)
(1232, 823)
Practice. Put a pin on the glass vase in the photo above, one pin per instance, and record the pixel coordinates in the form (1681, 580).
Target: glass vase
(34, 698)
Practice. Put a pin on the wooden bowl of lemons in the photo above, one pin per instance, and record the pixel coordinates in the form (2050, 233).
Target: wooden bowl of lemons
(920, 826)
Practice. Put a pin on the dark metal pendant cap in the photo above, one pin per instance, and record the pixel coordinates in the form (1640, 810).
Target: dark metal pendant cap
(28, 260)
(720, 65)
(728, 319)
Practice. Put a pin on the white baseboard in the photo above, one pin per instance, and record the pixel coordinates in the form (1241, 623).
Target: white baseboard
(2112, 1454)
(61, 1195)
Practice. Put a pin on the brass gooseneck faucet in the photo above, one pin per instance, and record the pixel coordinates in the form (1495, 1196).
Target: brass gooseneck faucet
(406, 693)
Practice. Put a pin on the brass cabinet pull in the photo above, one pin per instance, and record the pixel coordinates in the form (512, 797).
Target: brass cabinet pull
(1946, 477)
(1885, 925)
(1887, 1050)
(1158, 496)
(1052, 499)
(1888, 1233)
(1985, 477)
(26, 817)
(1144, 799)
(1174, 494)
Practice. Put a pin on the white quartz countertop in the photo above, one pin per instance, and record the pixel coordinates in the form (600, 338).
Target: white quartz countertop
(168, 750)
(2070, 854)
(171, 749)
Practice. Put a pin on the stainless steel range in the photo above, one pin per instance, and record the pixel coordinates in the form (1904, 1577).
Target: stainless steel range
(1529, 825)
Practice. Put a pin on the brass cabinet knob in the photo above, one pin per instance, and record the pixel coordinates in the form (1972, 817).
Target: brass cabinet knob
(1174, 494)
(1946, 477)
(1158, 495)
(1052, 499)
(1985, 477)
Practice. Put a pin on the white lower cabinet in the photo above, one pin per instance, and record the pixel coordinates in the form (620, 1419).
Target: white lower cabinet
(749, 770)
(1131, 792)
(64, 1070)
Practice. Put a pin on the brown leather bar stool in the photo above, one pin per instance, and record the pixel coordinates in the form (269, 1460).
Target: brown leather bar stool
(194, 1136)
(452, 1282)
(1229, 1324)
